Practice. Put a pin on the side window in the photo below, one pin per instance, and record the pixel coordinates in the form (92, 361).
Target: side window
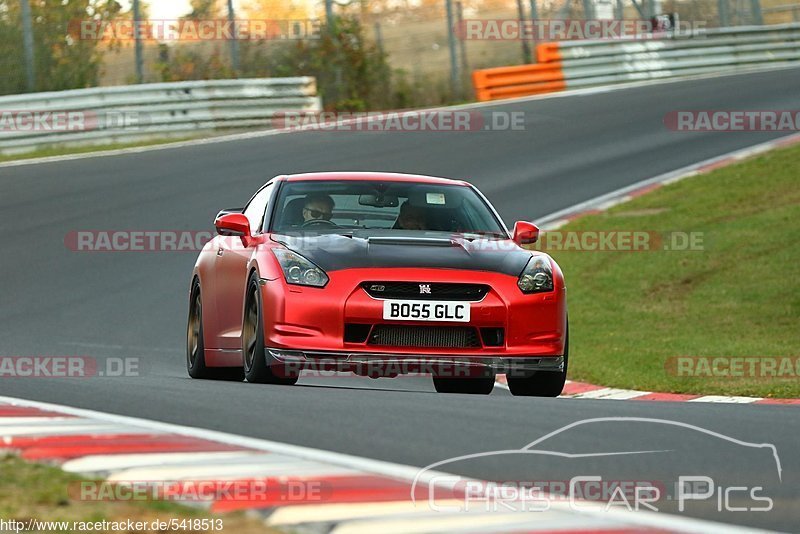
(256, 208)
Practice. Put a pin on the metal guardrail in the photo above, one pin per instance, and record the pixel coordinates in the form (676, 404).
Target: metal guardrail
(129, 113)
(574, 64)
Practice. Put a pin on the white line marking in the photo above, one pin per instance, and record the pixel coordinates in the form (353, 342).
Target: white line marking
(102, 463)
(62, 427)
(726, 399)
(10, 420)
(285, 467)
(610, 393)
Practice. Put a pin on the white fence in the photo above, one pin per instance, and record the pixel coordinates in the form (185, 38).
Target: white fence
(715, 50)
(574, 64)
(130, 113)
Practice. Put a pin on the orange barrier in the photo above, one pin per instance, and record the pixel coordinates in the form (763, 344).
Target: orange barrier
(548, 53)
(522, 80)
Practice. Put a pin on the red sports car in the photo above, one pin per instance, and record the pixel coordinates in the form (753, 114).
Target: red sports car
(378, 274)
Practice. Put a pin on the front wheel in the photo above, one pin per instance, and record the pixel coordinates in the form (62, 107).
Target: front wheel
(259, 365)
(195, 346)
(540, 383)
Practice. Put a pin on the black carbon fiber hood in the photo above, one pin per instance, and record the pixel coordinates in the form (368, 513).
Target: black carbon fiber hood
(333, 252)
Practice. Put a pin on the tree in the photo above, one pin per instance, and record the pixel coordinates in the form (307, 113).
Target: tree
(195, 61)
(62, 59)
(204, 9)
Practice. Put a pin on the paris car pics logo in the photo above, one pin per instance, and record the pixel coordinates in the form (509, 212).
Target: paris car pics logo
(448, 492)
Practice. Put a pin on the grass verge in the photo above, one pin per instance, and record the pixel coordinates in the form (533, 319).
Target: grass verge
(63, 151)
(40, 492)
(631, 312)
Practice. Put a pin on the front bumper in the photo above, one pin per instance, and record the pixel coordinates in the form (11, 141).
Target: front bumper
(383, 364)
(310, 322)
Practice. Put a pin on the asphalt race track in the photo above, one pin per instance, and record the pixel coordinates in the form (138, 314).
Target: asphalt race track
(133, 305)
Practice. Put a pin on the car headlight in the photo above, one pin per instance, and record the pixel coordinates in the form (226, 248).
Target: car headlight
(537, 277)
(298, 270)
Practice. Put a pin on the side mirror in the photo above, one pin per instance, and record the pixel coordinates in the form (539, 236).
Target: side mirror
(233, 224)
(525, 233)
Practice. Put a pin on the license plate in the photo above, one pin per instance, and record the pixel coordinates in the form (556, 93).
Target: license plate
(426, 310)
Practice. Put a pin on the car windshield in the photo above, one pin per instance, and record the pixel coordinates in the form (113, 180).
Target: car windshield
(348, 205)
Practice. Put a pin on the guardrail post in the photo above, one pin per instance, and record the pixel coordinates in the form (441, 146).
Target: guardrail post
(526, 49)
(755, 7)
(462, 43)
(329, 16)
(723, 13)
(455, 78)
(379, 38)
(27, 41)
(534, 18)
(588, 9)
(234, 41)
(137, 40)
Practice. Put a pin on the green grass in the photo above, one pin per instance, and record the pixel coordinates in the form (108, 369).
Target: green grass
(36, 491)
(740, 296)
(61, 151)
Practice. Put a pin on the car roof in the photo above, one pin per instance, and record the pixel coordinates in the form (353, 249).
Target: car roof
(371, 176)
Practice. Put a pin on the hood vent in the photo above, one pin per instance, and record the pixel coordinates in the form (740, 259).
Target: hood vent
(417, 241)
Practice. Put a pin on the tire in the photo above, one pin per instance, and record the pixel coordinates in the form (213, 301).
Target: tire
(259, 365)
(541, 383)
(479, 385)
(195, 346)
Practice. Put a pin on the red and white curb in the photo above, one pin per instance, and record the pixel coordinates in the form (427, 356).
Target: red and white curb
(553, 221)
(583, 390)
(358, 495)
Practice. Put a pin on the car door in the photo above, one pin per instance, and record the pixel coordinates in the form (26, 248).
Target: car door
(230, 273)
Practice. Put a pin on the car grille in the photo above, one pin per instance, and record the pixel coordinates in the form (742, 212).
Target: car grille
(424, 336)
(414, 290)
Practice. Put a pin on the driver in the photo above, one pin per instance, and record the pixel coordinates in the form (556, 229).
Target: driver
(411, 217)
(317, 207)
